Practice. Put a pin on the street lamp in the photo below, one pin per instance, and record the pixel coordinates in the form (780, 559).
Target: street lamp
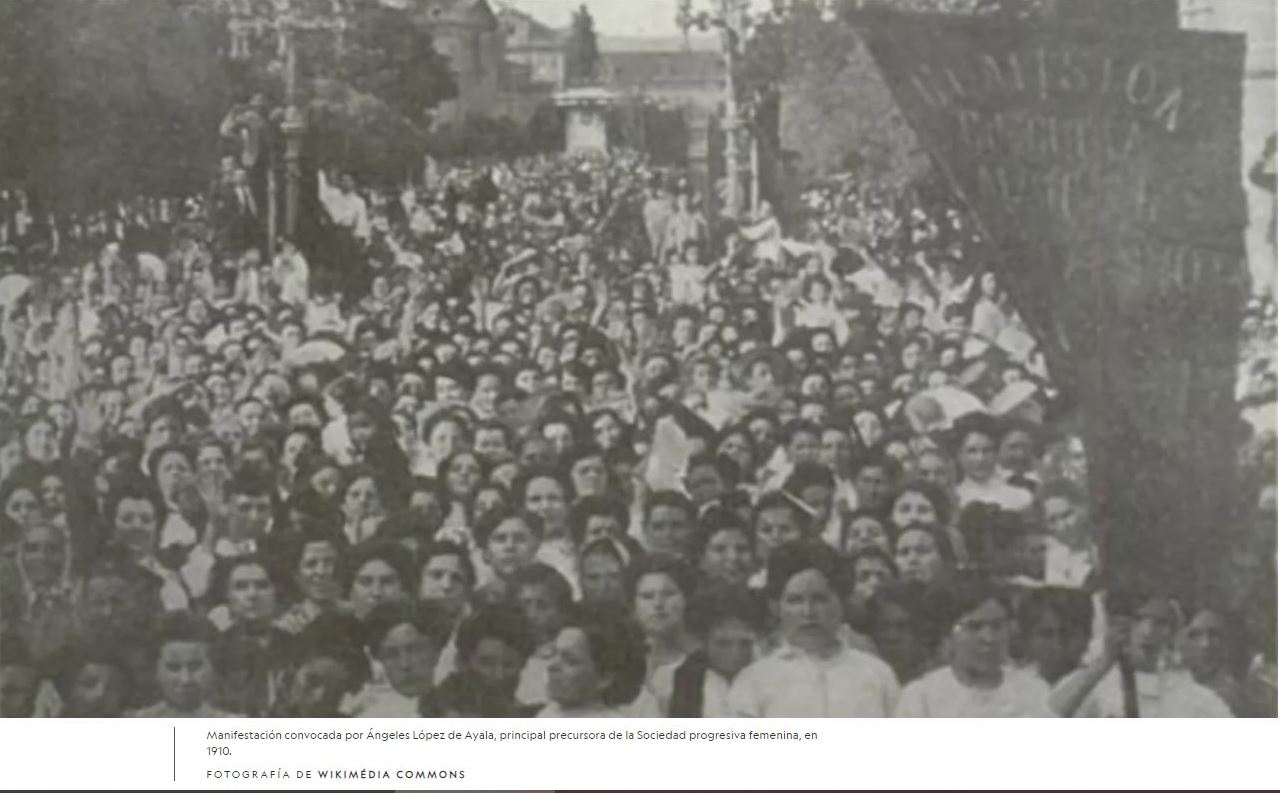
(287, 19)
(733, 20)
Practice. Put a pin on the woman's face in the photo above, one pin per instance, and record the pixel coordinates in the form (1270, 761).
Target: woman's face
(446, 439)
(229, 433)
(463, 476)
(895, 636)
(988, 285)
(803, 447)
(510, 546)
(137, 526)
(361, 499)
(560, 436)
(527, 380)
(913, 508)
(809, 612)
(496, 666)
(536, 452)
(317, 570)
(572, 677)
(251, 596)
(977, 457)
(212, 459)
(1203, 645)
(590, 477)
(870, 429)
(737, 448)
(173, 472)
(542, 611)
(487, 500)
(42, 442)
(606, 431)
(44, 555)
(1061, 517)
(918, 557)
(728, 558)
(704, 484)
(97, 691)
(444, 581)
(911, 357)
(603, 579)
(184, 673)
(409, 658)
(360, 428)
(1047, 646)
(53, 495)
(836, 451)
(761, 430)
(1153, 628)
(761, 376)
(61, 416)
(820, 499)
(659, 605)
(295, 445)
(162, 432)
(865, 532)
(980, 639)
(545, 498)
(375, 582)
(1017, 452)
(935, 469)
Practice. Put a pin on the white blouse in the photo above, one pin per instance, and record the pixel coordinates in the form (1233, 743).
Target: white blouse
(790, 683)
(939, 694)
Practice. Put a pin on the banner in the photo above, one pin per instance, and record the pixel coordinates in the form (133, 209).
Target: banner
(1102, 165)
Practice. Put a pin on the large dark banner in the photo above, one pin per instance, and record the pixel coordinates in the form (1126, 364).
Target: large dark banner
(1104, 167)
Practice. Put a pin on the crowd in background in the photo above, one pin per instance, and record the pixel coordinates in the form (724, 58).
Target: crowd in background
(541, 438)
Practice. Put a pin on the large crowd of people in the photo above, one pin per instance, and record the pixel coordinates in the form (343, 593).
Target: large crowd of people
(539, 438)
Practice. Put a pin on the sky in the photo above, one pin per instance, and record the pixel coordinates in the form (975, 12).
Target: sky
(613, 17)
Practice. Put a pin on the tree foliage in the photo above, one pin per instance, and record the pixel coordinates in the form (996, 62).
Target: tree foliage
(581, 50)
(821, 103)
(390, 54)
(106, 99)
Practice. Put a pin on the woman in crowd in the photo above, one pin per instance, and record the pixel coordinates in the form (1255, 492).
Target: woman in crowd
(597, 668)
(978, 681)
(812, 673)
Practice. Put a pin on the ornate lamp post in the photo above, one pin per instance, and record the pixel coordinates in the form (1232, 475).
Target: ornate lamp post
(287, 20)
(734, 22)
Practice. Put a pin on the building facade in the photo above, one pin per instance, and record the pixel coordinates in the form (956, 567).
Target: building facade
(467, 32)
(536, 49)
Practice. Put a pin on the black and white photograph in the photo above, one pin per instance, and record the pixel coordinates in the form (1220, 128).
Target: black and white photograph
(653, 359)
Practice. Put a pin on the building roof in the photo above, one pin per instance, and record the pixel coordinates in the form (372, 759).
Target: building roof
(537, 32)
(470, 13)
